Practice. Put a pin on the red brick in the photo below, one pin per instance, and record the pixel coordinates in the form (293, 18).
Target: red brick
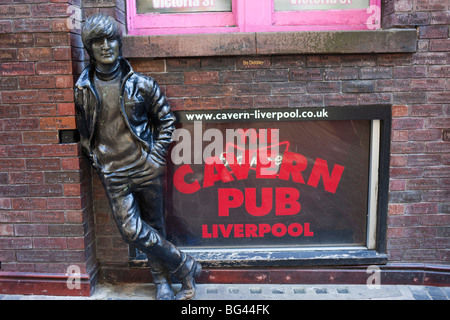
(405, 72)
(425, 135)
(5, 26)
(69, 230)
(375, 73)
(20, 124)
(47, 217)
(254, 63)
(64, 82)
(33, 255)
(15, 243)
(66, 109)
(38, 25)
(146, 65)
(430, 5)
(76, 243)
(15, 11)
(407, 124)
(59, 25)
(9, 138)
(30, 96)
(49, 243)
(63, 203)
(51, 39)
(45, 190)
(12, 164)
(54, 67)
(9, 111)
(58, 95)
(422, 184)
(71, 163)
(14, 216)
(398, 160)
(29, 204)
(433, 32)
(395, 233)
(5, 203)
(72, 189)
(62, 53)
(38, 110)
(399, 111)
(306, 74)
(36, 82)
(397, 185)
(25, 151)
(18, 40)
(43, 164)
(62, 177)
(57, 123)
(74, 216)
(8, 83)
(201, 77)
(16, 69)
(9, 54)
(181, 64)
(26, 177)
(6, 230)
(323, 87)
(41, 137)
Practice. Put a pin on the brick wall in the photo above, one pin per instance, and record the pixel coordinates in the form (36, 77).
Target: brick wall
(46, 216)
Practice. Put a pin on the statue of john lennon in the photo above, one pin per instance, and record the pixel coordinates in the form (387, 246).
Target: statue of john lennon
(126, 126)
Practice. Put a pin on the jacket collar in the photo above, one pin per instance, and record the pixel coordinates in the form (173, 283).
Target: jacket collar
(87, 76)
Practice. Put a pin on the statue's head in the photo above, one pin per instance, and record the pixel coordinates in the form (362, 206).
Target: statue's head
(101, 38)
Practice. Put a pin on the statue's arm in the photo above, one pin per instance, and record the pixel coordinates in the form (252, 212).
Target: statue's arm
(163, 122)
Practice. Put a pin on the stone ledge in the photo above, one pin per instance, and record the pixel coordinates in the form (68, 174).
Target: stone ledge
(271, 43)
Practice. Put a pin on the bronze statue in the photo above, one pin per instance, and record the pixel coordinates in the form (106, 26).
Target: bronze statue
(126, 126)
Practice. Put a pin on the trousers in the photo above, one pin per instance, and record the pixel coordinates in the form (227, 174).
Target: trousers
(136, 198)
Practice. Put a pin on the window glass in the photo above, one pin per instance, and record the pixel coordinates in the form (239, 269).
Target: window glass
(313, 190)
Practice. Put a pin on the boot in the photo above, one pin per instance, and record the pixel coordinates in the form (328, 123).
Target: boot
(188, 270)
(161, 279)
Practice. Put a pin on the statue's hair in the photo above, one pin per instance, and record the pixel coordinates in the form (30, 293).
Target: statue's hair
(99, 26)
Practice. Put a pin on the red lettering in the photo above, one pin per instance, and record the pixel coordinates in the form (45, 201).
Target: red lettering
(293, 164)
(180, 182)
(205, 233)
(255, 230)
(226, 231)
(210, 176)
(320, 170)
(266, 201)
(250, 230)
(229, 198)
(286, 203)
(238, 230)
(295, 226)
(307, 232)
(263, 229)
(279, 230)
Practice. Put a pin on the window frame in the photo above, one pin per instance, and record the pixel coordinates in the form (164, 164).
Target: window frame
(252, 16)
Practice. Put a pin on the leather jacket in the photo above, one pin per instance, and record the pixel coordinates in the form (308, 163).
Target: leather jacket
(143, 106)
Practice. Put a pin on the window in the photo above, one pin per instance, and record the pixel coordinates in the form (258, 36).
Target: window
(288, 186)
(159, 17)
